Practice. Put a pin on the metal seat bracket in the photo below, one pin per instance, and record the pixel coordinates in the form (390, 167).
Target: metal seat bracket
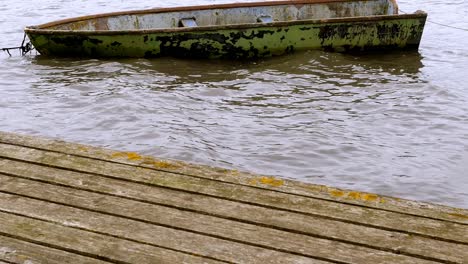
(264, 19)
(188, 22)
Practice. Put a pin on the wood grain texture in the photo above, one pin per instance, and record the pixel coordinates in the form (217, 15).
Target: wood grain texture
(383, 219)
(90, 244)
(232, 253)
(156, 235)
(65, 201)
(192, 209)
(318, 191)
(225, 229)
(18, 251)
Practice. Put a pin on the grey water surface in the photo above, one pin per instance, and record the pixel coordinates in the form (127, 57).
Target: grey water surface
(393, 123)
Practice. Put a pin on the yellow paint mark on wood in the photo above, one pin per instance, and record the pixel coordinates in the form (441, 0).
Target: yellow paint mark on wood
(163, 164)
(272, 181)
(337, 193)
(159, 164)
(369, 197)
(253, 182)
(463, 216)
(82, 148)
(133, 156)
(353, 195)
(118, 155)
(129, 155)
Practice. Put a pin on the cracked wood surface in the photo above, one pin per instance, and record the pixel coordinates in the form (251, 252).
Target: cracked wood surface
(85, 204)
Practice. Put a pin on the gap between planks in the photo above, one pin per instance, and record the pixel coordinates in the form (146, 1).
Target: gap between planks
(89, 244)
(234, 176)
(140, 232)
(195, 184)
(70, 175)
(238, 232)
(22, 252)
(437, 229)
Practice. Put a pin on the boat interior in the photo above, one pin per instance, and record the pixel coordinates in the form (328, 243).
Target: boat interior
(227, 14)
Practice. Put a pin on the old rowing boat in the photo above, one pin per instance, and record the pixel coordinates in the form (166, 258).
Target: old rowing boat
(239, 30)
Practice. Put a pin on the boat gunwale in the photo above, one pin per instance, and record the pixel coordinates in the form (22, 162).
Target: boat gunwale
(194, 8)
(361, 19)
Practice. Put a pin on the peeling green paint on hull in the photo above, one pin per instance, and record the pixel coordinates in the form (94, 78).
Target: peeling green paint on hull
(239, 41)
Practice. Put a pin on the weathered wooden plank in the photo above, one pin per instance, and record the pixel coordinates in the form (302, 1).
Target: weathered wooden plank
(151, 234)
(18, 251)
(243, 178)
(91, 244)
(318, 227)
(445, 230)
(332, 250)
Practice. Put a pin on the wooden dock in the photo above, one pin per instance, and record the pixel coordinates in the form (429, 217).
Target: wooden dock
(69, 203)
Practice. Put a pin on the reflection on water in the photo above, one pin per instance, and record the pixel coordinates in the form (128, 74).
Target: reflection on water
(334, 68)
(388, 123)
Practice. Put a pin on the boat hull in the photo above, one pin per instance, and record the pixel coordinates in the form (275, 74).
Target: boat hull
(238, 41)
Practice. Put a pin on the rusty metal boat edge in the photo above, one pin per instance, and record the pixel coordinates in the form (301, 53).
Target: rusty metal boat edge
(233, 41)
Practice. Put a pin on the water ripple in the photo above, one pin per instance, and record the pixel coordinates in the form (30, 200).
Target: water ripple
(392, 123)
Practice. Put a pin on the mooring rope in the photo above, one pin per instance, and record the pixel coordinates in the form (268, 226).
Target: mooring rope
(24, 49)
(438, 23)
(449, 26)
(28, 47)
